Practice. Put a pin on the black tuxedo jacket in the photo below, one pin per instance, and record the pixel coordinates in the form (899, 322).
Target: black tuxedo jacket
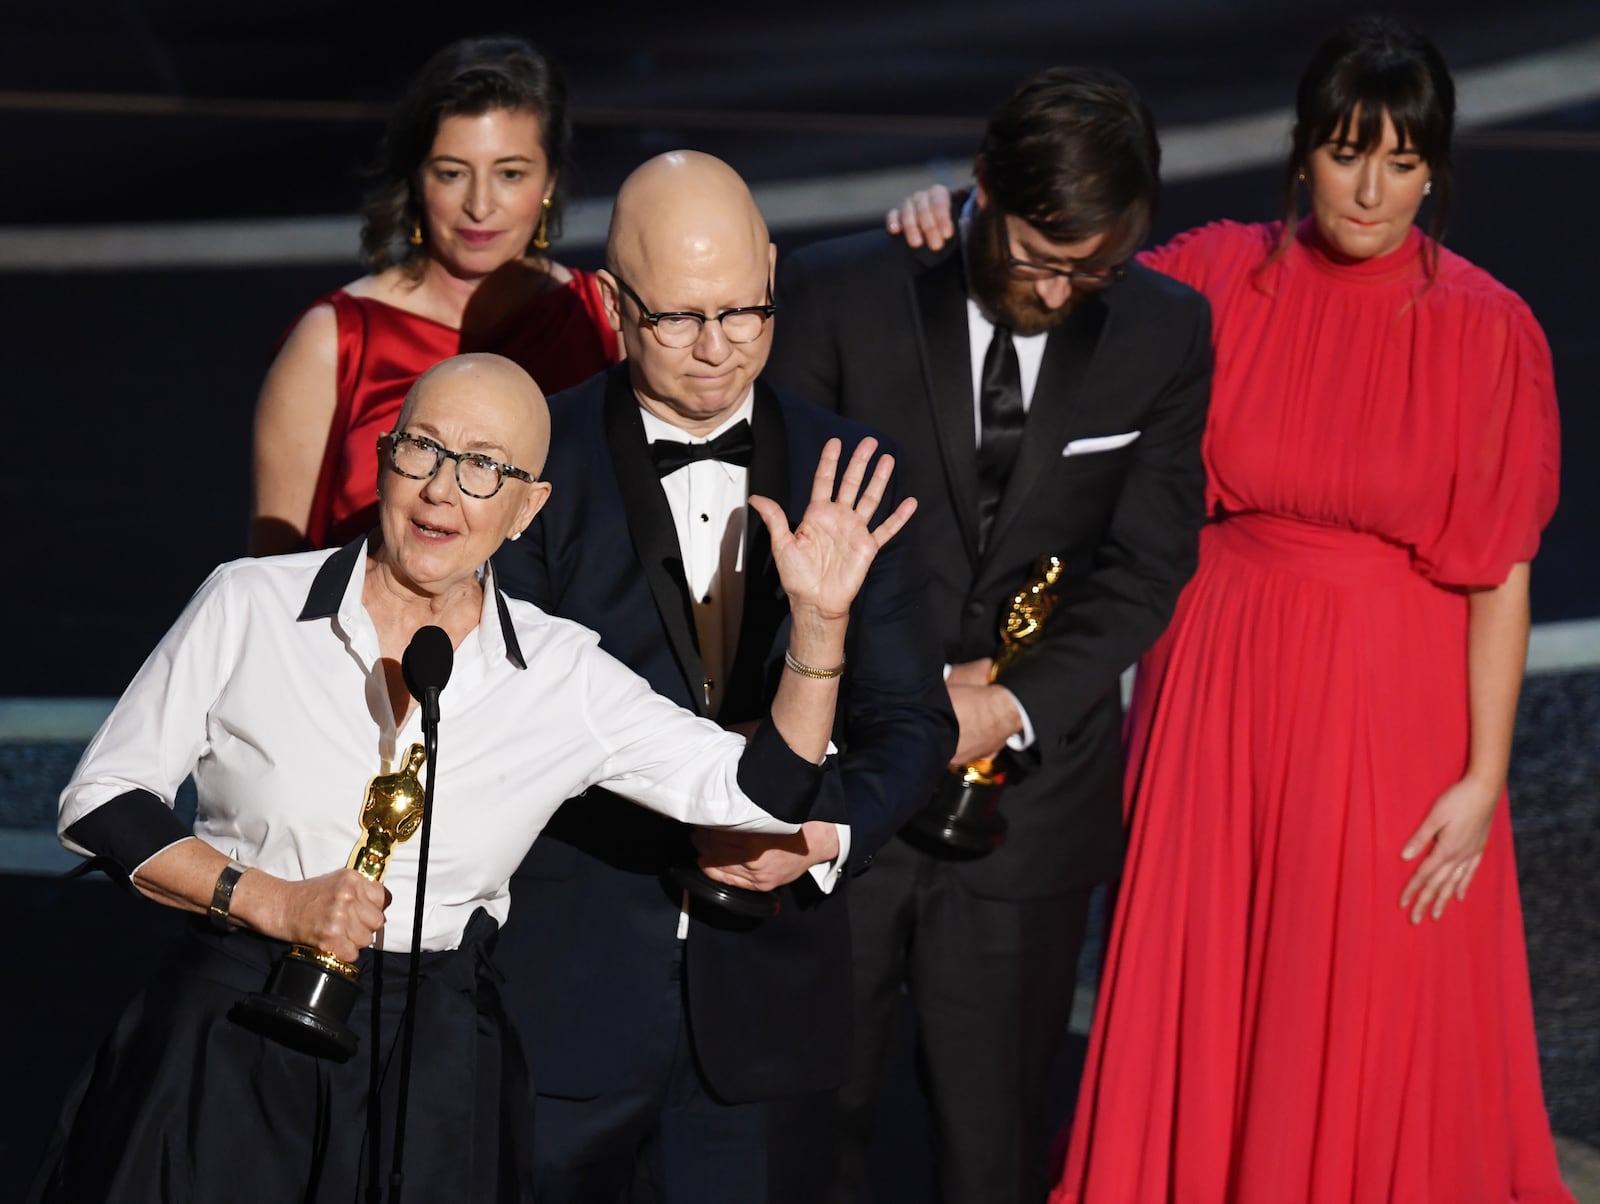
(592, 936)
(878, 332)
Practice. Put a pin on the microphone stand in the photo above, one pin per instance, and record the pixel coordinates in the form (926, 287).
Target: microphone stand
(430, 742)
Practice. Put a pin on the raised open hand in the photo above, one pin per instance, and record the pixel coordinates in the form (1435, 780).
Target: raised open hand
(824, 560)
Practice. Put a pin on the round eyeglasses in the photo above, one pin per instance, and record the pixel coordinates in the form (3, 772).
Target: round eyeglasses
(679, 329)
(418, 457)
(1022, 269)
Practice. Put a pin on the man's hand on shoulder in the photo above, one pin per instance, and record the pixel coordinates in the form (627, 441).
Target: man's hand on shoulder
(756, 861)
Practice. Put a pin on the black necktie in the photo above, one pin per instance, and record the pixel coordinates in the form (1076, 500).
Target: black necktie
(1000, 418)
(733, 446)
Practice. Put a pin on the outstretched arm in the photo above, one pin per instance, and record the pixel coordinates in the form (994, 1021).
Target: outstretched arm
(896, 732)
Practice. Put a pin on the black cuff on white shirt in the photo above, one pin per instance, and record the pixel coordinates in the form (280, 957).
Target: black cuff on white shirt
(776, 779)
(129, 829)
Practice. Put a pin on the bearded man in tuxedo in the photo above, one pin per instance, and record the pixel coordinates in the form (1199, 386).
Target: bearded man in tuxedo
(1047, 394)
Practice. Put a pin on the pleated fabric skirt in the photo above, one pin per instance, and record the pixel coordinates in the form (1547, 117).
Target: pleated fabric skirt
(1271, 1027)
(183, 1103)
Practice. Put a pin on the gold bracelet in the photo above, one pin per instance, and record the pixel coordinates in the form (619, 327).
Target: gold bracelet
(805, 670)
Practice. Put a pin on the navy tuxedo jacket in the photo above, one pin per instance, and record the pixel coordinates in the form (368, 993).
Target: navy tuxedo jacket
(592, 934)
(1108, 477)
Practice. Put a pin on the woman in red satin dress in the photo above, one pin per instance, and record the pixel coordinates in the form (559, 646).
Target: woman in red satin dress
(455, 231)
(1316, 988)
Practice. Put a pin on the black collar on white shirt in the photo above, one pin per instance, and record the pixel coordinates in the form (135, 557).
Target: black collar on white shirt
(332, 579)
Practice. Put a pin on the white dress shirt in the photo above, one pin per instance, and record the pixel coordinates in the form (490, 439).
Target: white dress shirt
(709, 501)
(1030, 354)
(980, 331)
(283, 714)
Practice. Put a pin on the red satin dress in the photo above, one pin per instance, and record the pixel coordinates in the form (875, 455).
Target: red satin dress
(1271, 1028)
(561, 337)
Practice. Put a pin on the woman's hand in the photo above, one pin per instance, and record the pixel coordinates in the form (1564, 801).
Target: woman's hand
(340, 913)
(823, 562)
(759, 861)
(923, 218)
(1457, 827)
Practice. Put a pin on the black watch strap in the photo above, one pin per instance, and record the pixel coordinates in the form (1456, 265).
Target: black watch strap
(222, 896)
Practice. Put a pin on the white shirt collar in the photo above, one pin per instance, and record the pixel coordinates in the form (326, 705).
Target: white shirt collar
(656, 427)
(496, 636)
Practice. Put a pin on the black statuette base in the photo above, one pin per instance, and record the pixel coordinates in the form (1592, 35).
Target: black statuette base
(306, 1007)
(752, 904)
(962, 820)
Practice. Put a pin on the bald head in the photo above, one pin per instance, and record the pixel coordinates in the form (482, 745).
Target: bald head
(491, 396)
(442, 518)
(685, 213)
(687, 238)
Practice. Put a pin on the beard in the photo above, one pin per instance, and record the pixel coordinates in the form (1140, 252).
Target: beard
(1005, 300)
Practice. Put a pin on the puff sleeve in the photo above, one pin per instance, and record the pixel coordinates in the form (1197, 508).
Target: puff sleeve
(1507, 449)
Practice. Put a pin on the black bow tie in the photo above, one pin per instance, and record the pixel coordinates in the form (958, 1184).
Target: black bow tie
(733, 446)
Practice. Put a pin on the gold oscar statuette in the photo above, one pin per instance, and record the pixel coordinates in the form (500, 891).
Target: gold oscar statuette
(308, 998)
(964, 815)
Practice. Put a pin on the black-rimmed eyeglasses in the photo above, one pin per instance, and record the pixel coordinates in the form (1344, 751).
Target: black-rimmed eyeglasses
(480, 476)
(1022, 269)
(679, 329)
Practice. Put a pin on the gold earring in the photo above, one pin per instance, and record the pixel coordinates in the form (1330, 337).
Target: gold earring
(1301, 176)
(416, 234)
(514, 536)
(541, 236)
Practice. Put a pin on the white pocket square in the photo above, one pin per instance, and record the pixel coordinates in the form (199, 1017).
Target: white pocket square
(1099, 443)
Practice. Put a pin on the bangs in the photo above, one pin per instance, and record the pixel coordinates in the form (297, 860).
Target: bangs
(1353, 106)
(1374, 72)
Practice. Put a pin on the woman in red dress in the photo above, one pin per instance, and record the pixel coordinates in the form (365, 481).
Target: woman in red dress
(455, 231)
(1316, 987)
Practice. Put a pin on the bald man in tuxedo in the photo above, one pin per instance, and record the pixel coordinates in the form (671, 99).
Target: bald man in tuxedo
(679, 1052)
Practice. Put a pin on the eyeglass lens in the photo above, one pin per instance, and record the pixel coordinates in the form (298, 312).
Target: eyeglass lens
(478, 476)
(682, 330)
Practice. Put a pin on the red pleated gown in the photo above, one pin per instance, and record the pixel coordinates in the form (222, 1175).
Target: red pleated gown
(1272, 1028)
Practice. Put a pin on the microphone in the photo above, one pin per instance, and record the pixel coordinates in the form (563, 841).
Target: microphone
(426, 668)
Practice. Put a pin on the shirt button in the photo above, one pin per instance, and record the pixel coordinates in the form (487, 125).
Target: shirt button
(705, 518)
(975, 609)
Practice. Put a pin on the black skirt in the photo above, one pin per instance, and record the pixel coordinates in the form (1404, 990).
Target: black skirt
(185, 1104)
